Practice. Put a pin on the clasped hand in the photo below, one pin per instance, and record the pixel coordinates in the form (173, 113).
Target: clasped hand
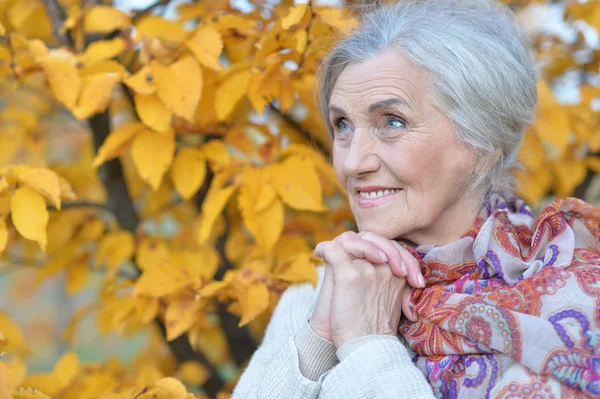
(365, 288)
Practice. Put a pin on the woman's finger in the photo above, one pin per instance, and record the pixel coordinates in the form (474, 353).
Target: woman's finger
(414, 277)
(395, 259)
(344, 236)
(358, 248)
(331, 252)
(407, 309)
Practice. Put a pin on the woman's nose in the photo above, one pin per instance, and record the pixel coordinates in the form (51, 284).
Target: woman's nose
(361, 157)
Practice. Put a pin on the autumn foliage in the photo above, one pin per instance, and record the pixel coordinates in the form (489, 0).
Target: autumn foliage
(202, 182)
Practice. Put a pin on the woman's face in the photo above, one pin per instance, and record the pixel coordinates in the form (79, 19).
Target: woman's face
(396, 153)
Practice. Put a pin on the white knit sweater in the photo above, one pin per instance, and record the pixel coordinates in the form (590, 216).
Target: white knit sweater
(294, 362)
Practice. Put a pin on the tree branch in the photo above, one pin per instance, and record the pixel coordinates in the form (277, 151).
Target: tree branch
(309, 136)
(149, 9)
(80, 204)
(120, 203)
(57, 15)
(111, 173)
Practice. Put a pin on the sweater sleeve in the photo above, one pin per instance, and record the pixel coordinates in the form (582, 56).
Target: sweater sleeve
(375, 366)
(291, 361)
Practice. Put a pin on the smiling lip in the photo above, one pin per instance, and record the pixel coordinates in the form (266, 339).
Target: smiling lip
(373, 202)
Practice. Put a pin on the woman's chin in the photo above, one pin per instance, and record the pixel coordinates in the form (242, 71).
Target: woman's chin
(390, 234)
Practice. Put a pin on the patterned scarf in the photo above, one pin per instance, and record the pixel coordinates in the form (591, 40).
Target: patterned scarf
(512, 309)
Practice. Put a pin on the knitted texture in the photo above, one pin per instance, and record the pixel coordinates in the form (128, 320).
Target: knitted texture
(294, 362)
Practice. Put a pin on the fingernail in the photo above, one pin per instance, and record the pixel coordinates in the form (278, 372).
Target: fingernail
(415, 315)
(421, 281)
(382, 256)
(404, 270)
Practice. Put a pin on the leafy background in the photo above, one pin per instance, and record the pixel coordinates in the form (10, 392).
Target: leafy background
(164, 177)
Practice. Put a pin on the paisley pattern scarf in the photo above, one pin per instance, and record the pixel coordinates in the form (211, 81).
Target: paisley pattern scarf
(512, 309)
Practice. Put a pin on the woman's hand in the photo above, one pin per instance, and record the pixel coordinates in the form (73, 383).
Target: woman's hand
(319, 321)
(366, 297)
(373, 247)
(376, 249)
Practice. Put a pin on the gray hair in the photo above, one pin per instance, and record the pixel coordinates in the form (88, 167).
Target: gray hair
(480, 71)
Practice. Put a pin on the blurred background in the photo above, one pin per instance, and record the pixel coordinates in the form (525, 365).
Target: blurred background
(71, 298)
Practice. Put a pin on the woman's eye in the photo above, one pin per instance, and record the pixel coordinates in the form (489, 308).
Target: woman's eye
(394, 123)
(342, 125)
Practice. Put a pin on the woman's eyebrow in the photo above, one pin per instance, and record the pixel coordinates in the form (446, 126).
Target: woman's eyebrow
(390, 101)
(336, 109)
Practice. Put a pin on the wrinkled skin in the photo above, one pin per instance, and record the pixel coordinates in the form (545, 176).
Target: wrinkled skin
(388, 135)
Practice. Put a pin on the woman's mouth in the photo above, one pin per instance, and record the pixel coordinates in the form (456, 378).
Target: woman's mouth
(370, 199)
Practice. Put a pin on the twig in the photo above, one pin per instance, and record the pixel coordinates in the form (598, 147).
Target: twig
(80, 204)
(149, 9)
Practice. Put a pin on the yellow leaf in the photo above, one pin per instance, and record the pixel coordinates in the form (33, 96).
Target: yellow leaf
(294, 16)
(147, 308)
(64, 80)
(567, 176)
(153, 112)
(300, 270)
(193, 373)
(102, 50)
(115, 248)
(45, 181)
(230, 92)
(552, 123)
(110, 395)
(104, 19)
(141, 81)
(77, 276)
(211, 209)
(17, 370)
(173, 386)
(37, 383)
(179, 85)
(212, 289)
(254, 301)
(3, 235)
(151, 253)
(53, 266)
(161, 281)
(154, 26)
(217, 155)
(29, 215)
(273, 216)
(29, 393)
(297, 184)
(2, 30)
(117, 141)
(206, 45)
(264, 221)
(181, 313)
(95, 94)
(30, 19)
(201, 264)
(11, 336)
(152, 155)
(66, 191)
(188, 171)
(227, 22)
(104, 67)
(300, 41)
(67, 368)
(338, 19)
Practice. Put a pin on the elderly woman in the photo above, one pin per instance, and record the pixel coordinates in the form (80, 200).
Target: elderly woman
(451, 288)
